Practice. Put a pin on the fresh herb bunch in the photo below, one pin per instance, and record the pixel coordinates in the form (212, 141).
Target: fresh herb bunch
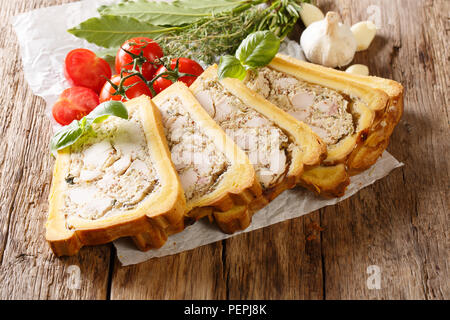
(200, 30)
(211, 37)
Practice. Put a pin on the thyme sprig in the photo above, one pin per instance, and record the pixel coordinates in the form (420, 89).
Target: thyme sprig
(214, 36)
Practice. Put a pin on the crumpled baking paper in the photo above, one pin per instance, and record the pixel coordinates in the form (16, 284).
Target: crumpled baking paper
(288, 205)
(44, 43)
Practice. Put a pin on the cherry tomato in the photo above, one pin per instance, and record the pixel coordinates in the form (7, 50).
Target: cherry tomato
(73, 104)
(83, 68)
(135, 91)
(185, 65)
(150, 50)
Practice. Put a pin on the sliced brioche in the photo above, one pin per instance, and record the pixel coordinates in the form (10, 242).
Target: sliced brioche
(278, 145)
(215, 174)
(367, 153)
(119, 182)
(343, 109)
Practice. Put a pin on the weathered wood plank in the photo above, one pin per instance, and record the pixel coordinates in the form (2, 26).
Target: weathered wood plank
(401, 222)
(28, 269)
(425, 69)
(195, 274)
(282, 261)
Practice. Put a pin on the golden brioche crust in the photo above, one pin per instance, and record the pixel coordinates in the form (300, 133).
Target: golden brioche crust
(239, 185)
(156, 215)
(384, 99)
(309, 149)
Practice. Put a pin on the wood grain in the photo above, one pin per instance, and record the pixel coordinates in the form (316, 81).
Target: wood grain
(195, 274)
(28, 269)
(388, 224)
(279, 262)
(399, 224)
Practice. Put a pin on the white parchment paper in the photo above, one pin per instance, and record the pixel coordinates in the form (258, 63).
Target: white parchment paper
(288, 205)
(44, 43)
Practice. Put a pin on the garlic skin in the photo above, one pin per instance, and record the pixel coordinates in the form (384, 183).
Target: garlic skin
(359, 69)
(364, 33)
(310, 14)
(329, 42)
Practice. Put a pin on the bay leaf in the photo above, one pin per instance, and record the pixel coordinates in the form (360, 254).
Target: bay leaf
(111, 31)
(174, 13)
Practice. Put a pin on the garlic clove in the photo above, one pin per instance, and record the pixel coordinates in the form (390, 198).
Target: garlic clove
(331, 23)
(358, 69)
(310, 13)
(329, 42)
(364, 33)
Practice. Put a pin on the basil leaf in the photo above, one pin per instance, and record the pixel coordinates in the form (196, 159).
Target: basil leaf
(258, 49)
(65, 137)
(231, 67)
(70, 134)
(111, 31)
(175, 13)
(106, 109)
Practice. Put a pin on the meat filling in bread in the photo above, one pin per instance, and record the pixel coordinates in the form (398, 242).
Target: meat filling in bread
(199, 163)
(326, 111)
(266, 145)
(110, 170)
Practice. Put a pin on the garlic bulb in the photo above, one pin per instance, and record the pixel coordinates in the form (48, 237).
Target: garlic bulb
(364, 33)
(329, 42)
(310, 13)
(358, 69)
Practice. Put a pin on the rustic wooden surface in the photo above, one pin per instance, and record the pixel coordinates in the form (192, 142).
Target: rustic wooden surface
(399, 224)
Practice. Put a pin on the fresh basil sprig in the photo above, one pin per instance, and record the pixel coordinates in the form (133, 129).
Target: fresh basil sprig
(70, 134)
(255, 51)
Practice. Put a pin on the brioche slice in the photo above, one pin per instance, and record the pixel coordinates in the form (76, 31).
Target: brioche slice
(343, 109)
(117, 182)
(278, 146)
(366, 154)
(215, 174)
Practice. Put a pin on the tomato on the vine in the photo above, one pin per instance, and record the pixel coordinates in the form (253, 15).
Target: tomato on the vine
(83, 68)
(73, 104)
(185, 65)
(138, 88)
(151, 51)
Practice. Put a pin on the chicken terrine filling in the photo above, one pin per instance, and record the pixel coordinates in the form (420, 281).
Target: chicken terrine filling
(110, 171)
(266, 145)
(325, 110)
(197, 160)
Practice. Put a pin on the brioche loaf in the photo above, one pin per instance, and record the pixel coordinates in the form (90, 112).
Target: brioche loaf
(215, 174)
(117, 182)
(278, 146)
(345, 110)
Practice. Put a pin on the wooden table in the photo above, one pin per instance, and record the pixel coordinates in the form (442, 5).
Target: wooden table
(399, 224)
